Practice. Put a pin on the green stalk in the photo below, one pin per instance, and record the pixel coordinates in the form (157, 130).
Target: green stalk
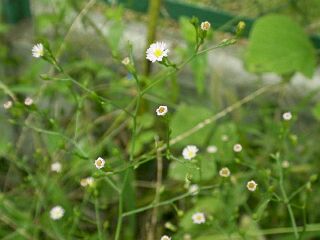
(153, 12)
(131, 158)
(99, 226)
(286, 199)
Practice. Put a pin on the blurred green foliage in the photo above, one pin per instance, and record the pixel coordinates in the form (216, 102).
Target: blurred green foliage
(88, 111)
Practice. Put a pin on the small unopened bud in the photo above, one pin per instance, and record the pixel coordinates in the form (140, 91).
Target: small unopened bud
(313, 178)
(126, 61)
(241, 25)
(170, 226)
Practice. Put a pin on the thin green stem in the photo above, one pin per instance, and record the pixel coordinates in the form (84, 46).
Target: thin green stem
(285, 198)
(131, 157)
(166, 202)
(99, 226)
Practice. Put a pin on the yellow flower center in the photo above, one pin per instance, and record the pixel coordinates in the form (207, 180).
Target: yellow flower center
(161, 109)
(225, 172)
(190, 154)
(251, 185)
(158, 52)
(99, 163)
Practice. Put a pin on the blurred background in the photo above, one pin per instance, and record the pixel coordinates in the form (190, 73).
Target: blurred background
(71, 125)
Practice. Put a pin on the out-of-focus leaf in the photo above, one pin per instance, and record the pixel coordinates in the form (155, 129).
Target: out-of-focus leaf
(205, 169)
(278, 44)
(186, 118)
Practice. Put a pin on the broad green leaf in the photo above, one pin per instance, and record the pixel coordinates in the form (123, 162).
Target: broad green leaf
(204, 169)
(278, 44)
(208, 205)
(186, 118)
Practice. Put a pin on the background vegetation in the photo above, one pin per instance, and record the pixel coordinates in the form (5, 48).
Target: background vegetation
(88, 104)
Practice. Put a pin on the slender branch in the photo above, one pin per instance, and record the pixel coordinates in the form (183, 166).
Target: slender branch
(285, 198)
(154, 216)
(99, 226)
(221, 114)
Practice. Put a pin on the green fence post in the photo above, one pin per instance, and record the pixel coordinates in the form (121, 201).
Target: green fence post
(14, 11)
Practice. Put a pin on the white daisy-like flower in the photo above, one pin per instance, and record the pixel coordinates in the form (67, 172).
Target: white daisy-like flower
(194, 189)
(237, 147)
(162, 110)
(126, 61)
(7, 105)
(190, 152)
(88, 181)
(224, 172)
(252, 186)
(198, 218)
(56, 213)
(28, 101)
(287, 116)
(56, 167)
(212, 149)
(100, 162)
(157, 51)
(205, 26)
(38, 50)
(165, 237)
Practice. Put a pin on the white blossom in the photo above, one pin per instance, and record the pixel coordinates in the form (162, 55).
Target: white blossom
(198, 218)
(194, 189)
(190, 152)
(205, 26)
(38, 50)
(56, 213)
(28, 101)
(88, 181)
(287, 116)
(162, 110)
(224, 172)
(7, 105)
(56, 167)
(237, 147)
(165, 237)
(100, 162)
(252, 186)
(212, 149)
(157, 51)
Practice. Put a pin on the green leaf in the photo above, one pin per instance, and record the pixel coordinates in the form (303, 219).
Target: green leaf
(278, 44)
(316, 111)
(185, 118)
(204, 169)
(187, 31)
(199, 66)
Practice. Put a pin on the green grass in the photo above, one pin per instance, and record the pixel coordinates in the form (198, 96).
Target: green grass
(88, 104)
